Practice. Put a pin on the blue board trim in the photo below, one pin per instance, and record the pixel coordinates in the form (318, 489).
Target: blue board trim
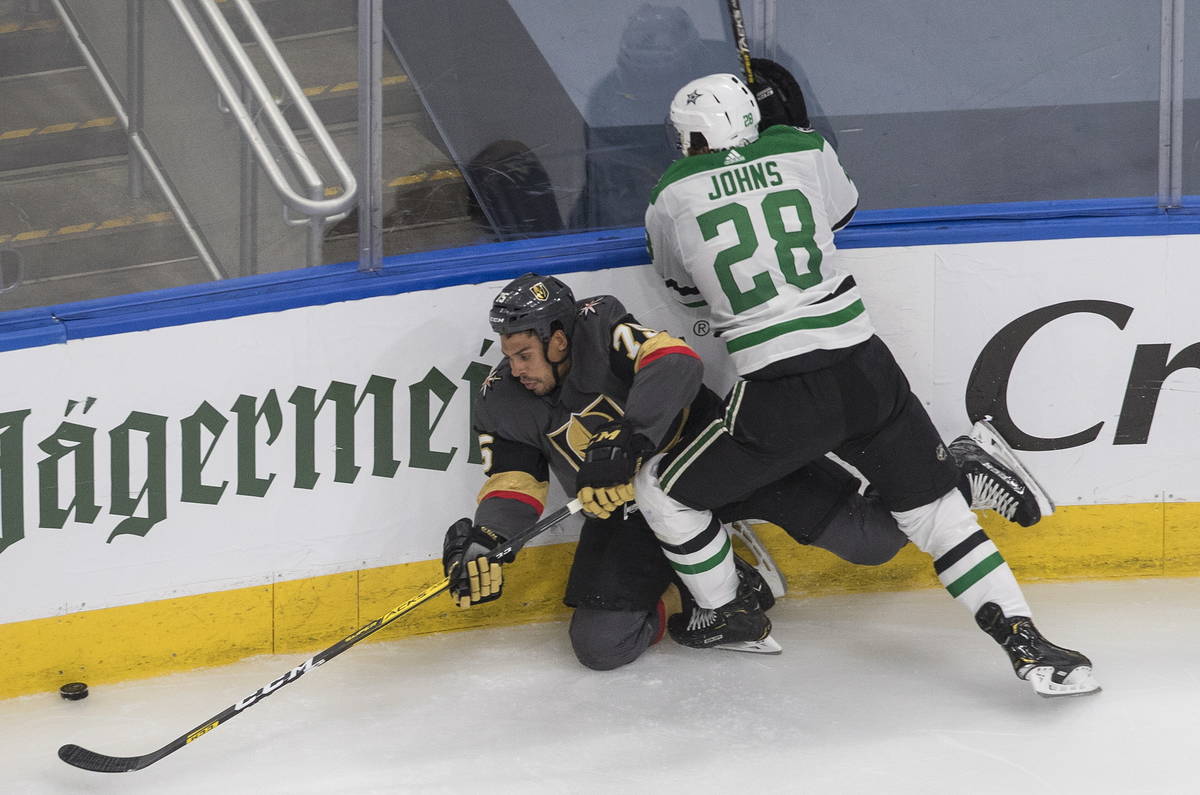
(588, 251)
(986, 223)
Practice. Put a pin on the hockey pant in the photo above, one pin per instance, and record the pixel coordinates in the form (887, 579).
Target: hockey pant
(861, 408)
(818, 505)
(606, 639)
(617, 578)
(966, 561)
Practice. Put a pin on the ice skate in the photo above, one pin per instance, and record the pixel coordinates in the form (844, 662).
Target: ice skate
(745, 541)
(739, 625)
(1051, 670)
(998, 480)
(986, 436)
(752, 578)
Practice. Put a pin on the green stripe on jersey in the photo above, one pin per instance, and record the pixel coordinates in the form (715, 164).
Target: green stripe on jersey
(796, 324)
(980, 570)
(778, 140)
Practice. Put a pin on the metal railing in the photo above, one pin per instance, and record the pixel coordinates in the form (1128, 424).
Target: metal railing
(1170, 106)
(309, 200)
(137, 143)
(243, 94)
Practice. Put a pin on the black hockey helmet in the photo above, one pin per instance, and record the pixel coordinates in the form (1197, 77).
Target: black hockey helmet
(534, 303)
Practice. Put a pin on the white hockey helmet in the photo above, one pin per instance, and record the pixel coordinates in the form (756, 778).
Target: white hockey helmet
(719, 107)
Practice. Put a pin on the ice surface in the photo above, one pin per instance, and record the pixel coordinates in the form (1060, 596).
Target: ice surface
(874, 693)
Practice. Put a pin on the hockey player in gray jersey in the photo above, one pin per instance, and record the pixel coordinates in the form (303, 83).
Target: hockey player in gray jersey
(743, 227)
(582, 387)
(588, 393)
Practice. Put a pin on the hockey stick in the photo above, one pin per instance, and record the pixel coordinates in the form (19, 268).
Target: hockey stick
(102, 763)
(779, 96)
(739, 40)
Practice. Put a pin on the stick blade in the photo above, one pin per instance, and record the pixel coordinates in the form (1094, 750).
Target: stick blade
(98, 763)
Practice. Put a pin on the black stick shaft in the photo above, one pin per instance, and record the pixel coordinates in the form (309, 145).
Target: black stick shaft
(102, 763)
(739, 39)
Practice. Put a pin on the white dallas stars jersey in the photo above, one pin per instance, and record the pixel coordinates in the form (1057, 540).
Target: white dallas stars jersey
(748, 232)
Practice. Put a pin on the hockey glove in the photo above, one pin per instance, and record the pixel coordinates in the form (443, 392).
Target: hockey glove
(605, 479)
(780, 99)
(473, 578)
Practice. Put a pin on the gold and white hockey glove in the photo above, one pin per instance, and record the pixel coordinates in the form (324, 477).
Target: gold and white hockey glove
(474, 579)
(605, 479)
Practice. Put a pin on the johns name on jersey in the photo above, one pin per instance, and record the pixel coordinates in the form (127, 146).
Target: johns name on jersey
(745, 178)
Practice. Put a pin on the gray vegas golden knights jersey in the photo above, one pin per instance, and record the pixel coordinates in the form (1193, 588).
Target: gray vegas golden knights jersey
(748, 233)
(618, 369)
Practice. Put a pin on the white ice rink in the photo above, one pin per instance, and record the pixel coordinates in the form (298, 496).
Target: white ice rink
(875, 693)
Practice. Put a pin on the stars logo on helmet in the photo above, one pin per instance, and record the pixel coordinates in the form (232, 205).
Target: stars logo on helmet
(692, 97)
(589, 307)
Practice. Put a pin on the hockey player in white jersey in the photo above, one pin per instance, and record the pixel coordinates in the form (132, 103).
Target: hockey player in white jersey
(743, 227)
(585, 392)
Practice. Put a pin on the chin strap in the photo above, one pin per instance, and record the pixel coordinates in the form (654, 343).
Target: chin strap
(554, 366)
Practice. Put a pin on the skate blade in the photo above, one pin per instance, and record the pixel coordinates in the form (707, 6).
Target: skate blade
(762, 561)
(767, 645)
(990, 440)
(1079, 682)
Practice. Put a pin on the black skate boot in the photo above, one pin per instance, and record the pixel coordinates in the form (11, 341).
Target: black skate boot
(751, 578)
(739, 625)
(991, 470)
(748, 547)
(1050, 669)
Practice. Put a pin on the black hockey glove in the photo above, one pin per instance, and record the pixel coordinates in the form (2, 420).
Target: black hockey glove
(780, 99)
(473, 578)
(605, 479)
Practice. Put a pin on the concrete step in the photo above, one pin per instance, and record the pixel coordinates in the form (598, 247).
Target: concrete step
(32, 37)
(296, 17)
(420, 180)
(43, 291)
(62, 116)
(421, 184)
(56, 117)
(81, 218)
(76, 220)
(66, 205)
(448, 233)
(37, 288)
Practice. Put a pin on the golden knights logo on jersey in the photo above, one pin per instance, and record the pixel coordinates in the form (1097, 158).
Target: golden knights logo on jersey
(573, 437)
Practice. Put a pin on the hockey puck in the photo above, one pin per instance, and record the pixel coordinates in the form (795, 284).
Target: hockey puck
(73, 691)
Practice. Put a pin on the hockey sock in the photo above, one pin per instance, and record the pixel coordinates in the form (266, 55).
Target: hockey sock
(967, 563)
(695, 543)
(705, 564)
